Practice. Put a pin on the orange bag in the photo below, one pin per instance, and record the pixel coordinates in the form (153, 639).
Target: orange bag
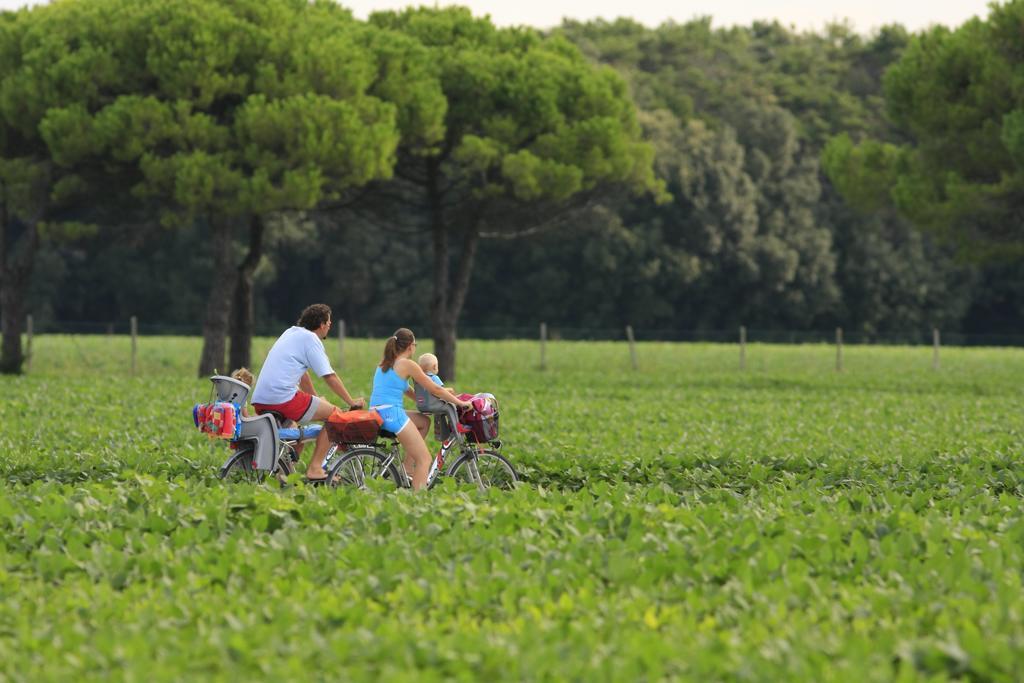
(353, 426)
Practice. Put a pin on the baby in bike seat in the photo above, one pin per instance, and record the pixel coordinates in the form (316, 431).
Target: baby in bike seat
(445, 413)
(244, 375)
(428, 362)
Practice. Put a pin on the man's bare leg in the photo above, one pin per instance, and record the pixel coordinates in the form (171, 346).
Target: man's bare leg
(316, 464)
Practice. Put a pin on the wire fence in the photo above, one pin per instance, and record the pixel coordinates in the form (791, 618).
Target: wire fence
(555, 332)
(139, 349)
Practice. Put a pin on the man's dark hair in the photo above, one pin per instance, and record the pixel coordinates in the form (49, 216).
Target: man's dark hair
(314, 316)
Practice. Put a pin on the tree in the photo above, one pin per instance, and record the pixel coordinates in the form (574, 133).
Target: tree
(37, 196)
(959, 97)
(231, 111)
(531, 131)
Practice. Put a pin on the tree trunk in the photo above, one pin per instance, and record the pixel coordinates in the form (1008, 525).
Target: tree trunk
(242, 313)
(218, 305)
(449, 297)
(12, 310)
(444, 329)
(15, 275)
(460, 287)
(444, 345)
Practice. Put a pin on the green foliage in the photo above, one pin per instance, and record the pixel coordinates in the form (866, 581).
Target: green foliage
(864, 174)
(785, 523)
(526, 118)
(830, 81)
(24, 184)
(230, 107)
(957, 94)
(894, 277)
(34, 189)
(757, 233)
(306, 140)
(1013, 136)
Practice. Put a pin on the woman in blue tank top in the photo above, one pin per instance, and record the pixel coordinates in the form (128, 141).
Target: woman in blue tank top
(390, 386)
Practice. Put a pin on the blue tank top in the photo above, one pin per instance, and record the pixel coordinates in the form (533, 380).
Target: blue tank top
(388, 388)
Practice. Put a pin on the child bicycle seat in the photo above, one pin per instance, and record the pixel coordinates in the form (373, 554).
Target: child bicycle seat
(230, 389)
(260, 430)
(426, 402)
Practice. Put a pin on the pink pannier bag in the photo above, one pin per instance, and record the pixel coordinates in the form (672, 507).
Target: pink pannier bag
(482, 418)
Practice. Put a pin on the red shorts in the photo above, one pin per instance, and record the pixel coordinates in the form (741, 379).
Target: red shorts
(292, 409)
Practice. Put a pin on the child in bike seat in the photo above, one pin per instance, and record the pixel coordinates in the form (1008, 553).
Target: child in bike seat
(477, 402)
(244, 375)
(428, 363)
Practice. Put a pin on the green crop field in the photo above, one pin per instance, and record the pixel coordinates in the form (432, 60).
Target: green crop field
(687, 521)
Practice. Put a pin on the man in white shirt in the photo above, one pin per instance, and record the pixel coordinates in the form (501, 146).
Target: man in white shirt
(284, 385)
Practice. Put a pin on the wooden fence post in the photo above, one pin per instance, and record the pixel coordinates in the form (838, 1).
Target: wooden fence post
(632, 346)
(935, 348)
(135, 335)
(839, 349)
(743, 347)
(28, 343)
(341, 343)
(543, 345)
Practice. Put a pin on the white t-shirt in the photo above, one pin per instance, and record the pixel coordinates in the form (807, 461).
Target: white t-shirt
(294, 352)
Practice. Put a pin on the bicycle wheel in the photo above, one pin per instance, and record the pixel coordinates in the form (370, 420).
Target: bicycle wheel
(239, 469)
(360, 466)
(492, 470)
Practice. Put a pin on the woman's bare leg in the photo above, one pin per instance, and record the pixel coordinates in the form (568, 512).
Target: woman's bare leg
(416, 452)
(422, 423)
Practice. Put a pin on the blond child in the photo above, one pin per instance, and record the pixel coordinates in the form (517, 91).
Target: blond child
(244, 375)
(428, 363)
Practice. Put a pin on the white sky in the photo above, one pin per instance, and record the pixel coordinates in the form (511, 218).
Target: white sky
(866, 15)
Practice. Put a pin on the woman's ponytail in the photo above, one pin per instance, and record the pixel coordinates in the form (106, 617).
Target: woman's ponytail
(396, 344)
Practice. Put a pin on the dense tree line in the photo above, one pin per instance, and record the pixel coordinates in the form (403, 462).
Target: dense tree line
(237, 118)
(426, 168)
(958, 169)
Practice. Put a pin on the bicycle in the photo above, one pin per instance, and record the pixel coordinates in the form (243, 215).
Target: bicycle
(475, 462)
(260, 450)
